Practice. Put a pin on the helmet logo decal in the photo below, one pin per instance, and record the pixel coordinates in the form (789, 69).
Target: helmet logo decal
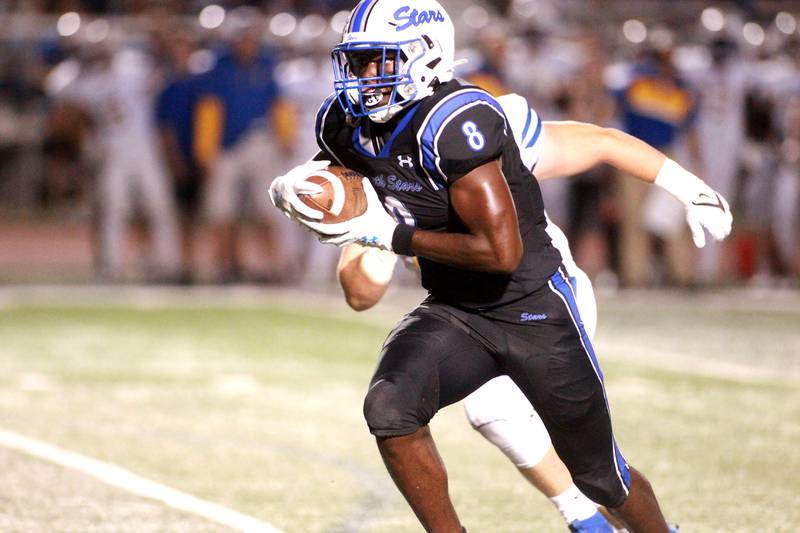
(416, 18)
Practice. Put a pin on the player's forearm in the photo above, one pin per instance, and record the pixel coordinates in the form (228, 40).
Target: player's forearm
(491, 241)
(364, 275)
(467, 251)
(575, 147)
(631, 155)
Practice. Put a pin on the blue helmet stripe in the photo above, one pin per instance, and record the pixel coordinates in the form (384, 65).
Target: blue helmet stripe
(358, 19)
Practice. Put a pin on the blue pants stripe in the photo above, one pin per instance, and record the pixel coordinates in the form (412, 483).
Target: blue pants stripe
(560, 283)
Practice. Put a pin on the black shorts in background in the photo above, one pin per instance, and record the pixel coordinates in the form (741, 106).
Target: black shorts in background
(188, 190)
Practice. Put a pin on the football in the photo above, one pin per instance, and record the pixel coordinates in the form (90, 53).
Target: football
(342, 196)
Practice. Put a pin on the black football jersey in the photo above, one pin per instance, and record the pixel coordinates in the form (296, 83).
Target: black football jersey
(413, 159)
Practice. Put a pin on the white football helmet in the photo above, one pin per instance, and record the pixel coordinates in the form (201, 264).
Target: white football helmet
(413, 41)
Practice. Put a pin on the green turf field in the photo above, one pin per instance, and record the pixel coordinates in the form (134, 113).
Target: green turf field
(257, 406)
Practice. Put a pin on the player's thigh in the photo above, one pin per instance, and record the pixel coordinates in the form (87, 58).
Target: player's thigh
(555, 366)
(426, 363)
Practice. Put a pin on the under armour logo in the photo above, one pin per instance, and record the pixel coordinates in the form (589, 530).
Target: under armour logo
(405, 161)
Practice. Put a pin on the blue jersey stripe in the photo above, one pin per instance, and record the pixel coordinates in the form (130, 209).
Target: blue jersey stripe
(622, 466)
(400, 127)
(358, 18)
(321, 113)
(447, 108)
(527, 124)
(535, 134)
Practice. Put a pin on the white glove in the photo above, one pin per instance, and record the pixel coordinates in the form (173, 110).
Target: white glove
(284, 189)
(706, 209)
(374, 228)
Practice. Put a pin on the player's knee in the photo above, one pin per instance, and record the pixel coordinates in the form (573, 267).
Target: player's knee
(480, 413)
(497, 399)
(390, 408)
(606, 487)
(524, 441)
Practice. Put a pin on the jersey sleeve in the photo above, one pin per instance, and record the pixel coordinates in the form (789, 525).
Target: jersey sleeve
(462, 132)
(526, 126)
(324, 130)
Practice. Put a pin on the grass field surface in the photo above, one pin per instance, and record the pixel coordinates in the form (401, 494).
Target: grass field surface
(254, 403)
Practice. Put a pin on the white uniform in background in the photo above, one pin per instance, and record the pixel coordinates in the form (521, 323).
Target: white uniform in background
(120, 98)
(307, 82)
(499, 409)
(780, 79)
(721, 92)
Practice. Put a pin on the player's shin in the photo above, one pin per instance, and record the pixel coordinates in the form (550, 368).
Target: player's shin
(640, 511)
(419, 473)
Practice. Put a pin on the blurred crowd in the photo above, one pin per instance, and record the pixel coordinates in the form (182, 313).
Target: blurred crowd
(160, 124)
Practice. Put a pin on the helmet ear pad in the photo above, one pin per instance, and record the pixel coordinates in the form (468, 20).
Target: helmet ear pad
(432, 70)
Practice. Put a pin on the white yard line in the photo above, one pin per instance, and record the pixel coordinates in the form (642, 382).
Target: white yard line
(127, 481)
(609, 350)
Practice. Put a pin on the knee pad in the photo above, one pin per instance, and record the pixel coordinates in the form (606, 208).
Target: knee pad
(524, 442)
(504, 416)
(393, 407)
(497, 399)
(607, 482)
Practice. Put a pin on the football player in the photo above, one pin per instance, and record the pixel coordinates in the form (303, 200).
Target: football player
(498, 410)
(466, 205)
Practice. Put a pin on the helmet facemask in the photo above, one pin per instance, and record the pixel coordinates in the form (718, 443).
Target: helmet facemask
(379, 92)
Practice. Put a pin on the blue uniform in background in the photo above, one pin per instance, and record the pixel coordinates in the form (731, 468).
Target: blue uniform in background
(175, 111)
(655, 109)
(245, 91)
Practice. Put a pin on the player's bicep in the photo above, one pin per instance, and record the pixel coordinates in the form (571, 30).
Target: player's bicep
(569, 148)
(483, 201)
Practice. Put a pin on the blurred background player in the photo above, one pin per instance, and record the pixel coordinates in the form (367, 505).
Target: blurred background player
(245, 131)
(48, 170)
(721, 89)
(304, 79)
(591, 213)
(175, 112)
(116, 87)
(657, 106)
(786, 222)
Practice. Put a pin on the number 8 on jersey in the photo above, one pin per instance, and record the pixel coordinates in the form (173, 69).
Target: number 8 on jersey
(474, 136)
